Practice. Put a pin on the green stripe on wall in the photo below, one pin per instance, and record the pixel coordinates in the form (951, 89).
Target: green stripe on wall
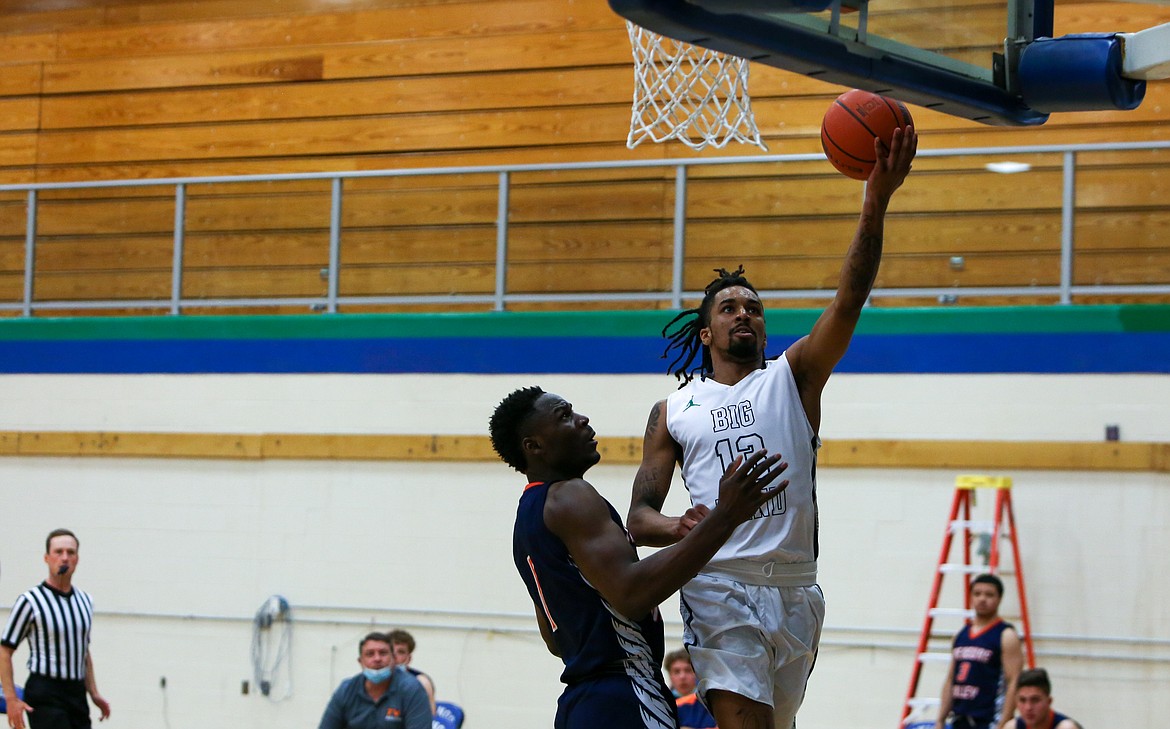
(984, 320)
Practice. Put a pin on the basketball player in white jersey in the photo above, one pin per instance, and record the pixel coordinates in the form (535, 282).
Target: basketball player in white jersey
(753, 616)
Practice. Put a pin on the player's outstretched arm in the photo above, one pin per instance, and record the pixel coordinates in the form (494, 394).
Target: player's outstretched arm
(580, 517)
(646, 522)
(814, 357)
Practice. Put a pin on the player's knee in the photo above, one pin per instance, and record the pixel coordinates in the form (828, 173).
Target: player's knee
(731, 709)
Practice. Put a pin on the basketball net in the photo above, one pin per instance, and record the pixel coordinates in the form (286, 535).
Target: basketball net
(695, 95)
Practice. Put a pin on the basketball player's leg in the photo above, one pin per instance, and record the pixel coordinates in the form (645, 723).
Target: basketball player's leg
(739, 712)
(753, 647)
(730, 650)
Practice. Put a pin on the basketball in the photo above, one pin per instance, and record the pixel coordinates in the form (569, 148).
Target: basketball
(850, 125)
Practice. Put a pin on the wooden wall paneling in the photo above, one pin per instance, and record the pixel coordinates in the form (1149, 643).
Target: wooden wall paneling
(17, 149)
(101, 285)
(20, 79)
(482, 18)
(268, 281)
(1122, 229)
(836, 194)
(393, 247)
(416, 95)
(407, 159)
(633, 200)
(419, 278)
(374, 59)
(256, 249)
(11, 255)
(19, 113)
(600, 276)
(591, 241)
(81, 255)
(13, 208)
(1127, 187)
(906, 234)
(115, 215)
(347, 136)
(1112, 267)
(27, 47)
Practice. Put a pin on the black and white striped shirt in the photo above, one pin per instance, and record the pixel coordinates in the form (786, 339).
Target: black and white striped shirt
(57, 626)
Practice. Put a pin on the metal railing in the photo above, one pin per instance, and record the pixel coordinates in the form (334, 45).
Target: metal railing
(500, 298)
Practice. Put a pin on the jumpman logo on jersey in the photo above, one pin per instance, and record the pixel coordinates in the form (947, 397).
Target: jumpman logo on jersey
(691, 404)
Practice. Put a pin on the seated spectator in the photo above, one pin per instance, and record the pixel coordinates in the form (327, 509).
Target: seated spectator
(380, 696)
(692, 714)
(403, 644)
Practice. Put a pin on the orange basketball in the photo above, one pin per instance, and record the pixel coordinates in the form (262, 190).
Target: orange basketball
(851, 124)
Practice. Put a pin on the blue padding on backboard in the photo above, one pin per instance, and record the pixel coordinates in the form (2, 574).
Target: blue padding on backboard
(828, 58)
(1077, 73)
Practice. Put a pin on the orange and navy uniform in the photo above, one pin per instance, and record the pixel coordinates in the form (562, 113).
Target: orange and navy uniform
(612, 673)
(692, 714)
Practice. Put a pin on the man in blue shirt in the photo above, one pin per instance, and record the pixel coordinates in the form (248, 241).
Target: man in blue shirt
(379, 697)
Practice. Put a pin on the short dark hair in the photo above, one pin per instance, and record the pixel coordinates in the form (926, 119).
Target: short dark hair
(507, 424)
(1035, 677)
(989, 579)
(401, 636)
(674, 657)
(60, 533)
(686, 336)
(374, 636)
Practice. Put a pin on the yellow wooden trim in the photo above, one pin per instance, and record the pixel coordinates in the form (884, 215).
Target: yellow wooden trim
(970, 482)
(949, 454)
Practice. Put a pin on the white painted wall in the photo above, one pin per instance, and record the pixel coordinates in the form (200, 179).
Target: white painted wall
(179, 554)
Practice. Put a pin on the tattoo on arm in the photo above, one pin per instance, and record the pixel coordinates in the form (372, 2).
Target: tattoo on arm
(646, 488)
(652, 422)
(863, 264)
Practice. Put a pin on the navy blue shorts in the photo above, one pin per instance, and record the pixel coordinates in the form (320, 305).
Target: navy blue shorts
(617, 702)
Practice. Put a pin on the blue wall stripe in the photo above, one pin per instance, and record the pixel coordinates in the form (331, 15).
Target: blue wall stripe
(955, 353)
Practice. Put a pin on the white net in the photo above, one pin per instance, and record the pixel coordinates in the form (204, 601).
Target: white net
(695, 95)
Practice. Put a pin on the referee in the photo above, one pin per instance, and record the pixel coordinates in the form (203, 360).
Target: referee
(56, 618)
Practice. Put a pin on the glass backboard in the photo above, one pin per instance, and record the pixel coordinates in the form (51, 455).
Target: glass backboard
(956, 56)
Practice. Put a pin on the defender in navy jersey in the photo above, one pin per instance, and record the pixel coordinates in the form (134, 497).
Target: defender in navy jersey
(986, 658)
(56, 618)
(596, 603)
(753, 615)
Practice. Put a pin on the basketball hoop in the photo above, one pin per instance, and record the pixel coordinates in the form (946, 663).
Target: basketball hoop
(695, 95)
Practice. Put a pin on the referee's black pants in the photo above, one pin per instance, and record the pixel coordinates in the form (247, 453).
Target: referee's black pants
(57, 703)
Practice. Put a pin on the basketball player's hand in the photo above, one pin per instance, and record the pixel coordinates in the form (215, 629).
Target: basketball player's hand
(687, 521)
(744, 486)
(893, 162)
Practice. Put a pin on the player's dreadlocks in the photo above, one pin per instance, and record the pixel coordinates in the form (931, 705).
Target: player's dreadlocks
(685, 336)
(507, 424)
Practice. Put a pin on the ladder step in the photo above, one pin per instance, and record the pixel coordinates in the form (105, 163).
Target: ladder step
(970, 569)
(951, 613)
(934, 657)
(919, 702)
(983, 527)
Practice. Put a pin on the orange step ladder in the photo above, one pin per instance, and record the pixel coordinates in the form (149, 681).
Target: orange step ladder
(1002, 526)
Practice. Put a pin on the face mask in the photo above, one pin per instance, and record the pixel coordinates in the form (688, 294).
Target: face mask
(377, 675)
